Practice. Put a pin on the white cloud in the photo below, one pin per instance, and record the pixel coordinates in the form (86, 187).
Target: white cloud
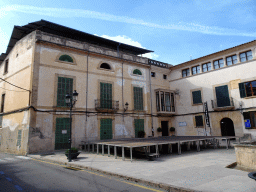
(126, 40)
(67, 13)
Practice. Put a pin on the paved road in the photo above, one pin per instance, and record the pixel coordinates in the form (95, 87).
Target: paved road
(19, 173)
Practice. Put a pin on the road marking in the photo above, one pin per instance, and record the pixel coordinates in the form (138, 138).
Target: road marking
(141, 186)
(1, 172)
(23, 157)
(18, 187)
(8, 178)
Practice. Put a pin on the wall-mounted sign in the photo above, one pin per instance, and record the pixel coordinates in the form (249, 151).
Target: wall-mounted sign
(247, 124)
(182, 124)
(64, 131)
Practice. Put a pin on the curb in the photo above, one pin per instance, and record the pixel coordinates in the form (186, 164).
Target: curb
(168, 188)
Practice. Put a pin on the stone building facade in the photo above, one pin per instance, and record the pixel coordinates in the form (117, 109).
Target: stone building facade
(42, 64)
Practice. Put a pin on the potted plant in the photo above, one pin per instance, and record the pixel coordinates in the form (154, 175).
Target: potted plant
(159, 129)
(141, 134)
(73, 152)
(172, 130)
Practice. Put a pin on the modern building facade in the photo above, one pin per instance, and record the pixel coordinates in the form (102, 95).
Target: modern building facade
(121, 93)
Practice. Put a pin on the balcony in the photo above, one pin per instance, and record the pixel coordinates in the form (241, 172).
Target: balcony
(223, 104)
(110, 106)
(166, 110)
(165, 105)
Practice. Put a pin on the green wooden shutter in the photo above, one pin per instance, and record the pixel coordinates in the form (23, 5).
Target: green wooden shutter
(138, 98)
(106, 95)
(65, 85)
(222, 96)
(139, 126)
(62, 133)
(199, 121)
(105, 129)
(197, 98)
(242, 90)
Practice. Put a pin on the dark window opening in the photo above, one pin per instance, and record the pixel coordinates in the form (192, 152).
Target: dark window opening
(199, 121)
(197, 97)
(105, 66)
(6, 66)
(153, 74)
(165, 76)
(2, 103)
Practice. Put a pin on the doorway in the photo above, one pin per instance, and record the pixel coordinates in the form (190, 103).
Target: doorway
(164, 126)
(227, 127)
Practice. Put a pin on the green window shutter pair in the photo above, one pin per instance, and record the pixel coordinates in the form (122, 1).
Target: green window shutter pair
(138, 98)
(197, 98)
(105, 129)
(62, 133)
(242, 90)
(199, 121)
(139, 126)
(65, 86)
(137, 72)
(106, 95)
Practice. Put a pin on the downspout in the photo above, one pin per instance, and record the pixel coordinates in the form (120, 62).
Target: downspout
(151, 113)
(122, 79)
(87, 84)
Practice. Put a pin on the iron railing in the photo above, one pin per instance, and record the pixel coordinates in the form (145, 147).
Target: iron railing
(225, 103)
(106, 104)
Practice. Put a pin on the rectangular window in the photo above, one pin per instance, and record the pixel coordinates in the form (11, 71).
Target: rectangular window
(2, 103)
(164, 76)
(185, 72)
(250, 119)
(138, 98)
(153, 74)
(199, 121)
(65, 86)
(195, 70)
(231, 60)
(247, 89)
(19, 138)
(139, 128)
(218, 64)
(6, 66)
(246, 56)
(197, 98)
(165, 101)
(207, 67)
(106, 95)
(222, 96)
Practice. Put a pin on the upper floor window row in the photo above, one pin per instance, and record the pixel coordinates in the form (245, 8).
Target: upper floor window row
(230, 60)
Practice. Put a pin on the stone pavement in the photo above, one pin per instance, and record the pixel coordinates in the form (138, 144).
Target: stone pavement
(190, 171)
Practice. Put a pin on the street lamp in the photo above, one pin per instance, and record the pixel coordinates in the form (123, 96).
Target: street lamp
(126, 106)
(70, 101)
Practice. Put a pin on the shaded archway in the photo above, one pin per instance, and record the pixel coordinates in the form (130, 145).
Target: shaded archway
(227, 127)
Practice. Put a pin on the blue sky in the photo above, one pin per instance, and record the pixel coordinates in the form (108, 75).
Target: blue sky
(176, 30)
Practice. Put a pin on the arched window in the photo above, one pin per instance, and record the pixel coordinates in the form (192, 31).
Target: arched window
(137, 72)
(105, 66)
(66, 58)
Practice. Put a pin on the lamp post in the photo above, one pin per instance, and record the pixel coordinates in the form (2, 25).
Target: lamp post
(126, 106)
(70, 101)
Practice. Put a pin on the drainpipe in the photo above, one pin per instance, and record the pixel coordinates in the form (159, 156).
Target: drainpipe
(151, 101)
(122, 80)
(87, 83)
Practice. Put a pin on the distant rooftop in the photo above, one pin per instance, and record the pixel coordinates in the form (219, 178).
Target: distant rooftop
(21, 31)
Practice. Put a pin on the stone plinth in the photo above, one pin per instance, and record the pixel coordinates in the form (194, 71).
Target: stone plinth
(246, 155)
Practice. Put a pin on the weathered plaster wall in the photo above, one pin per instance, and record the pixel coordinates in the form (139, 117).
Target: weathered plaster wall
(19, 74)
(206, 82)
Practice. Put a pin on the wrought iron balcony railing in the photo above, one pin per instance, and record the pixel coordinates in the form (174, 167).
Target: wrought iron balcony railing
(223, 104)
(106, 105)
